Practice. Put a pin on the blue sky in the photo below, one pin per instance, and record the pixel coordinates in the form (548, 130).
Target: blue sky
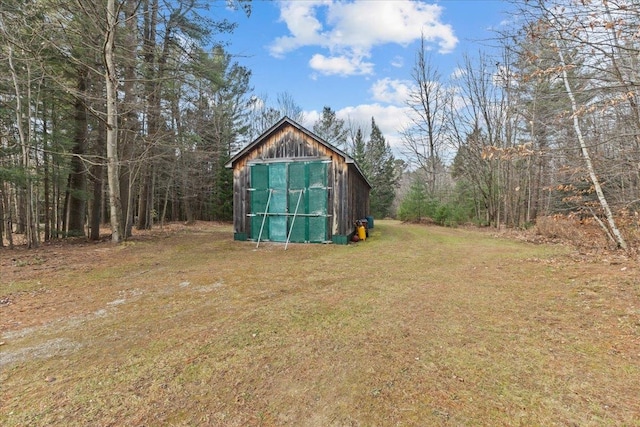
(356, 56)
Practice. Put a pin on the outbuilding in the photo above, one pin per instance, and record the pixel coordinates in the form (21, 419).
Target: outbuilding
(289, 185)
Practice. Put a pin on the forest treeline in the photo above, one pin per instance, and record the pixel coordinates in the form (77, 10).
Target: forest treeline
(124, 112)
(551, 126)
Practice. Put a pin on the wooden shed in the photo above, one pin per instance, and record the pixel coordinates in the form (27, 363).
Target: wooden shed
(291, 185)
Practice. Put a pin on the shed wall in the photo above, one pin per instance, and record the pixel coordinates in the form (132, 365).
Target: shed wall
(290, 144)
(358, 206)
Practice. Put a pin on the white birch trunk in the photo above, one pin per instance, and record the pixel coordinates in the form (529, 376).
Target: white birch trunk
(587, 158)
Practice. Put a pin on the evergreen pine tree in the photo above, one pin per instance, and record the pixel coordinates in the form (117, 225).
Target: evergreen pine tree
(382, 172)
(359, 152)
(415, 204)
(331, 129)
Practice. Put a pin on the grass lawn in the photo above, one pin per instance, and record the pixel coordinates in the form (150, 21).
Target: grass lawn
(416, 326)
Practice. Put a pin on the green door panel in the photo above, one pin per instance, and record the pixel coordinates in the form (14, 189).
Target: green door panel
(259, 197)
(317, 229)
(317, 208)
(297, 199)
(301, 185)
(260, 177)
(317, 173)
(297, 176)
(278, 204)
(317, 202)
(297, 223)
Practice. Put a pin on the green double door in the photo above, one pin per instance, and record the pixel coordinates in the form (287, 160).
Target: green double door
(289, 199)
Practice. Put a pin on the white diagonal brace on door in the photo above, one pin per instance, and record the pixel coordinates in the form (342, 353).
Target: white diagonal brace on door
(264, 218)
(293, 220)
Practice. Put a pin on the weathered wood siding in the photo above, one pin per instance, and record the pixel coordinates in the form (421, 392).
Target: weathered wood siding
(359, 196)
(348, 195)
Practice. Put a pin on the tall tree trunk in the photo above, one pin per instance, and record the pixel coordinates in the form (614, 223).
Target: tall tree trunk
(54, 212)
(6, 216)
(130, 124)
(77, 201)
(153, 97)
(30, 231)
(46, 178)
(587, 157)
(155, 68)
(187, 199)
(111, 86)
(2, 219)
(97, 172)
(95, 218)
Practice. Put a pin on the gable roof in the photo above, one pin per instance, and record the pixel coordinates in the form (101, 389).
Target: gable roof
(287, 121)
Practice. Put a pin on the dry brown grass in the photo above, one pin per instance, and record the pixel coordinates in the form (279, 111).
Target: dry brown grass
(416, 326)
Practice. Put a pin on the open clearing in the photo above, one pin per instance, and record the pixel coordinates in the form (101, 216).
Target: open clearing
(416, 326)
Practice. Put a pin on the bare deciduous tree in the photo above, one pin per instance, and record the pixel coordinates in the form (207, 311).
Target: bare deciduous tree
(428, 101)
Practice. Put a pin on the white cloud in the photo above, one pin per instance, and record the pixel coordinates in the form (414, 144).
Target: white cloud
(340, 65)
(458, 73)
(304, 27)
(390, 119)
(256, 103)
(310, 117)
(365, 23)
(391, 91)
(397, 62)
(349, 30)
